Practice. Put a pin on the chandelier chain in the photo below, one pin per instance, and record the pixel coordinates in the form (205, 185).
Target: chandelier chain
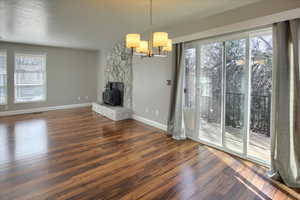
(151, 15)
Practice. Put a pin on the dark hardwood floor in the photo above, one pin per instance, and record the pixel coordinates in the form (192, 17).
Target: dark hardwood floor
(77, 154)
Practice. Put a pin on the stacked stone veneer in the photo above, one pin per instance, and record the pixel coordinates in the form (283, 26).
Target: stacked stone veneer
(119, 69)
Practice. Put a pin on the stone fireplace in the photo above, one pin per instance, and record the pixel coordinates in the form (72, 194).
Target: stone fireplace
(119, 69)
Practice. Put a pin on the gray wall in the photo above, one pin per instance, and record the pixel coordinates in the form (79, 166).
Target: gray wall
(102, 56)
(71, 74)
(151, 94)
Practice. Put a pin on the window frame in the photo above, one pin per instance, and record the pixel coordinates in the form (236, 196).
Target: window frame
(6, 85)
(42, 54)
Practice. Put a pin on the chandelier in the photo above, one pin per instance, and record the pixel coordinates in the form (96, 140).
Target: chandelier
(158, 44)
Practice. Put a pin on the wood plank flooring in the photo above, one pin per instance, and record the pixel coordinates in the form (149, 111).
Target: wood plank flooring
(77, 154)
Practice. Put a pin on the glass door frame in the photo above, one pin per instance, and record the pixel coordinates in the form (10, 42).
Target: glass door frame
(246, 130)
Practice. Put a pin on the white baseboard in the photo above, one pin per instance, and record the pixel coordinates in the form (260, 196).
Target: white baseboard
(43, 109)
(150, 122)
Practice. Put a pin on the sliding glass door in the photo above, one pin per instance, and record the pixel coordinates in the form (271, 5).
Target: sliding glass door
(261, 52)
(231, 99)
(235, 94)
(210, 92)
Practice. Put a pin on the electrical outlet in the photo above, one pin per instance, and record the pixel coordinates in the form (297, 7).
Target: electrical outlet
(86, 97)
(79, 98)
(147, 110)
(156, 113)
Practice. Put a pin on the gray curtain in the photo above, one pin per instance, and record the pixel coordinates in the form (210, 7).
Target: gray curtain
(285, 156)
(175, 121)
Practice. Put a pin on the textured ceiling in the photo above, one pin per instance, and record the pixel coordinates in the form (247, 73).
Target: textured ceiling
(96, 24)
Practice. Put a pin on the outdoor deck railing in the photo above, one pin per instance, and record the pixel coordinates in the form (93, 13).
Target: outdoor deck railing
(234, 111)
(259, 112)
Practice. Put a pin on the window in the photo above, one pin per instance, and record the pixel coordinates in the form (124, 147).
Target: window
(205, 87)
(190, 77)
(3, 78)
(233, 96)
(30, 78)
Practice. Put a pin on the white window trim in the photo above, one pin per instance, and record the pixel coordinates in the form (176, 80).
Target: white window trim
(255, 23)
(6, 84)
(236, 36)
(44, 55)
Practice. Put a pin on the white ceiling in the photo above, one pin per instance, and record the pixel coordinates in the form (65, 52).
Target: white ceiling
(96, 24)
